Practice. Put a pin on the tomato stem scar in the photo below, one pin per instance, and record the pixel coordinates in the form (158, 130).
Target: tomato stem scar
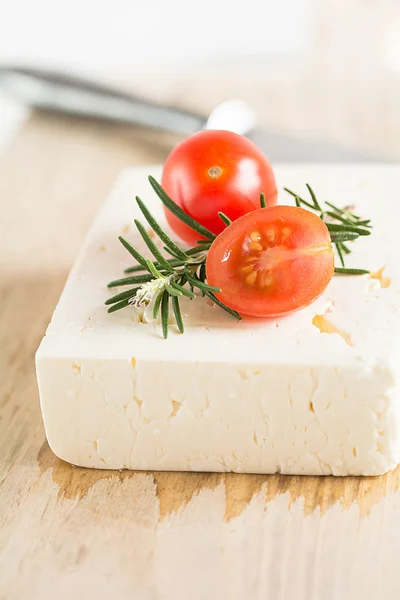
(214, 172)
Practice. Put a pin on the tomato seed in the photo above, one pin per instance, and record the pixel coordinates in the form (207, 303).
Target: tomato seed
(256, 246)
(247, 269)
(270, 235)
(266, 279)
(250, 279)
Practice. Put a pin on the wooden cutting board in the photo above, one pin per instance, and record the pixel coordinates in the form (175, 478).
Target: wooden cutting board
(69, 532)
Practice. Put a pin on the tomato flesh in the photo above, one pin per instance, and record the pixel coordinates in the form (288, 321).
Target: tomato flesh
(216, 171)
(272, 261)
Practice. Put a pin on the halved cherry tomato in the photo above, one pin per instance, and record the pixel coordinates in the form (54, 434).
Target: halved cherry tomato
(272, 261)
(214, 171)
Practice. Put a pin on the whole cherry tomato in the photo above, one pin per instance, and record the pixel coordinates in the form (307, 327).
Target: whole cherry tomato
(214, 171)
(271, 261)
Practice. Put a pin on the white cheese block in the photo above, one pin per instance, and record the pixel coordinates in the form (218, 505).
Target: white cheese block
(257, 396)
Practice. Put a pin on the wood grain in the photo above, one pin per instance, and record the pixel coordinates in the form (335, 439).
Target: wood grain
(66, 530)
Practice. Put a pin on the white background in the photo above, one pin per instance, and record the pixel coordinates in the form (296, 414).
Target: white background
(149, 46)
(327, 68)
(139, 35)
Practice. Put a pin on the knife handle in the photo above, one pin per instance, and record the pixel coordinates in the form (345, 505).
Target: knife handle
(74, 95)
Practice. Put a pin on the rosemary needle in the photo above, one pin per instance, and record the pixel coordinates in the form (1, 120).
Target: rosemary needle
(165, 313)
(177, 313)
(224, 218)
(345, 271)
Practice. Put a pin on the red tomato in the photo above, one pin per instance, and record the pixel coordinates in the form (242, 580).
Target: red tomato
(214, 171)
(271, 261)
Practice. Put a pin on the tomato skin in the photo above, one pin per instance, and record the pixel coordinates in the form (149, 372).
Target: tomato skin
(214, 171)
(272, 261)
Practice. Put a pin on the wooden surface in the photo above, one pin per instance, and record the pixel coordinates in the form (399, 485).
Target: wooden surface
(68, 532)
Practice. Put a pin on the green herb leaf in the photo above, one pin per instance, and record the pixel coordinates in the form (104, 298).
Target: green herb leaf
(178, 212)
(197, 249)
(153, 270)
(177, 313)
(334, 227)
(299, 200)
(172, 253)
(184, 291)
(263, 204)
(345, 271)
(339, 218)
(343, 236)
(201, 285)
(118, 306)
(175, 262)
(224, 218)
(340, 253)
(335, 208)
(131, 280)
(135, 253)
(165, 314)
(345, 248)
(202, 272)
(152, 247)
(156, 306)
(314, 198)
(222, 305)
(122, 296)
(159, 231)
(172, 290)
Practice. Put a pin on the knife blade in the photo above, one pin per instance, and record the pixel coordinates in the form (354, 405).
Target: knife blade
(65, 93)
(284, 148)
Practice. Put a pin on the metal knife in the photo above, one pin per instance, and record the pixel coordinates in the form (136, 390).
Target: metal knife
(65, 93)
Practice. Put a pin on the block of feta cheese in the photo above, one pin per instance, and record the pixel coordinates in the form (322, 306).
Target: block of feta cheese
(316, 392)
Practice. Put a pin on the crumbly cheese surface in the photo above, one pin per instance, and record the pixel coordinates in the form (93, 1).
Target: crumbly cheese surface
(316, 392)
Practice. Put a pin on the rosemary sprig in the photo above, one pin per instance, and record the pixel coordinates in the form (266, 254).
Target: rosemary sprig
(343, 225)
(162, 281)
